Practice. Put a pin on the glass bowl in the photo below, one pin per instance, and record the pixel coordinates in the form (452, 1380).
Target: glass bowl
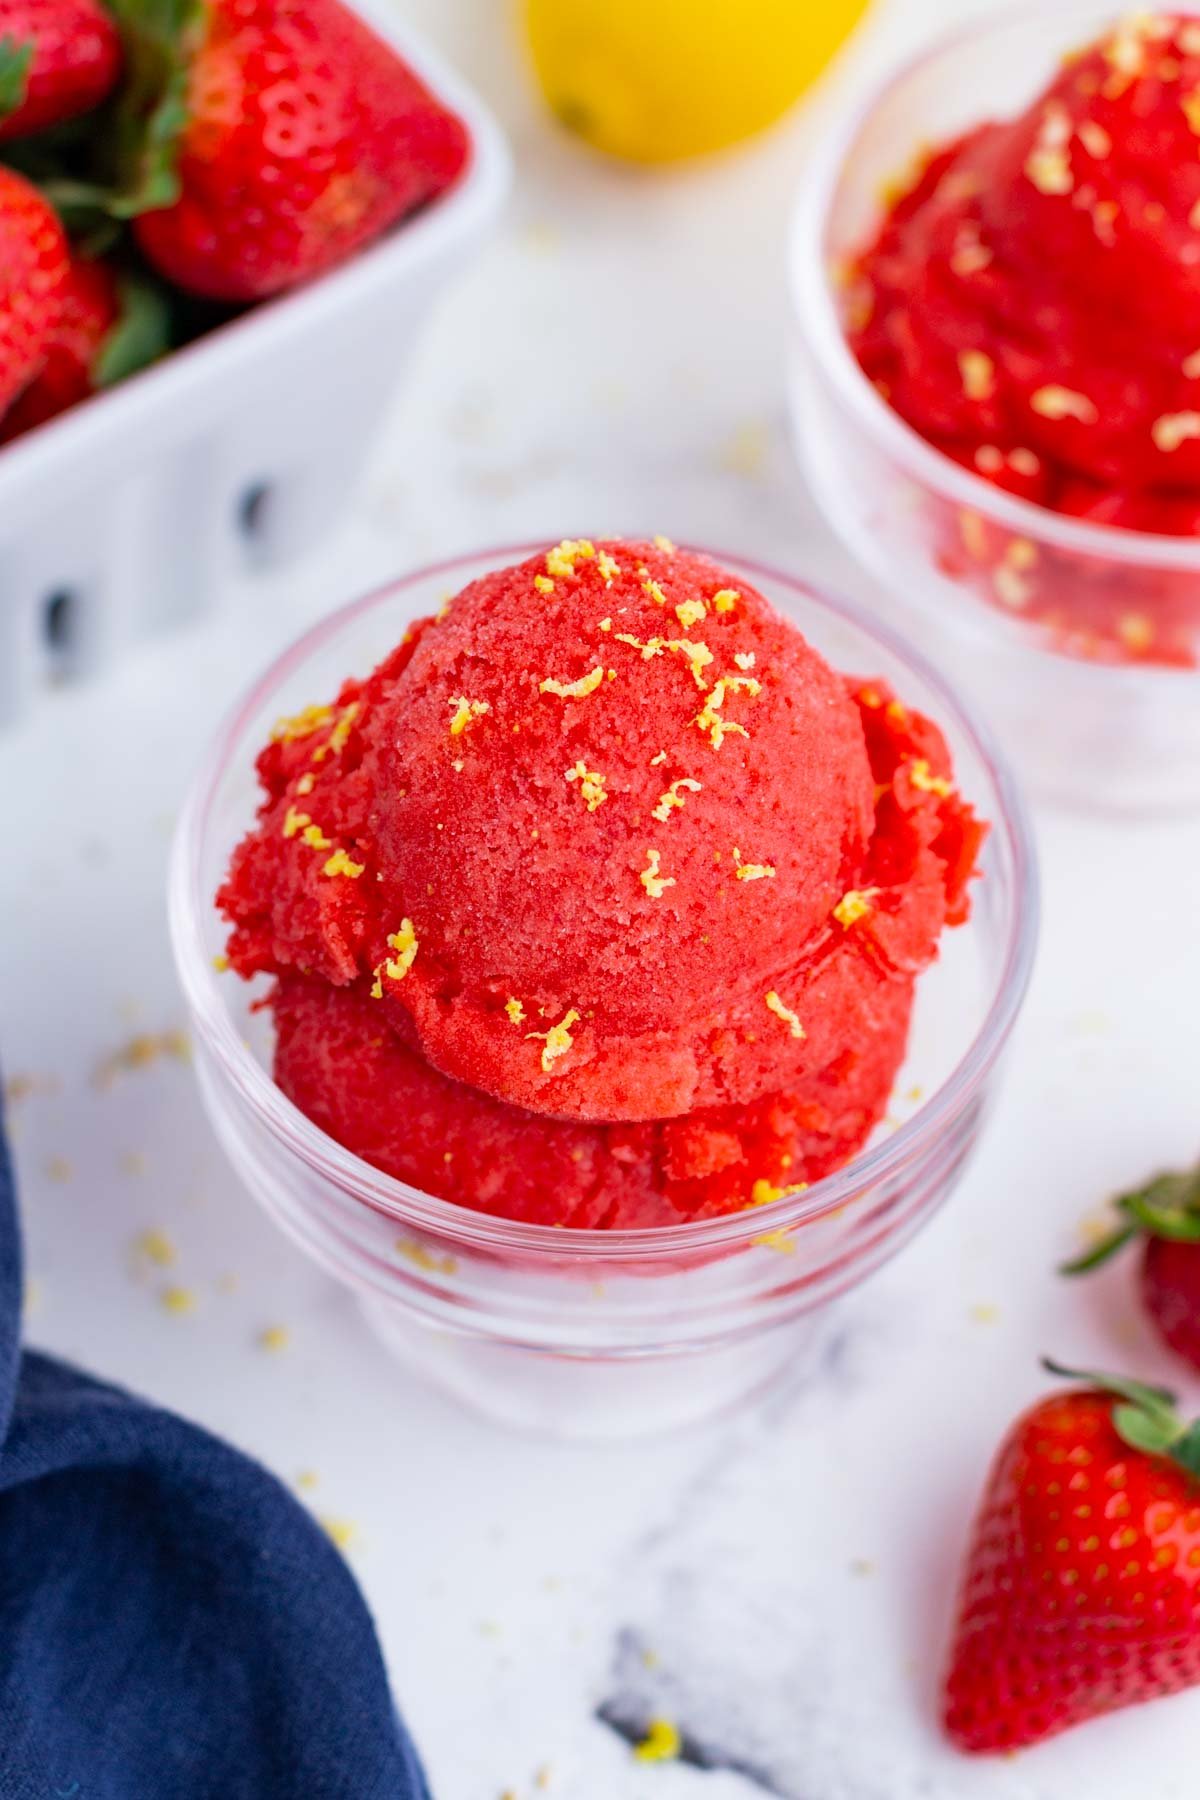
(601, 1333)
(958, 557)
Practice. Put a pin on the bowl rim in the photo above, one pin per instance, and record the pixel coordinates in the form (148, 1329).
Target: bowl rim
(189, 902)
(815, 308)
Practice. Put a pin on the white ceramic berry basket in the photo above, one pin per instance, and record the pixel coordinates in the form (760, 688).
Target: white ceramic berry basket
(123, 516)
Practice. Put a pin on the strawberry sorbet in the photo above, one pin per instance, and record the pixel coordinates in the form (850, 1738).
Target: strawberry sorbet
(602, 899)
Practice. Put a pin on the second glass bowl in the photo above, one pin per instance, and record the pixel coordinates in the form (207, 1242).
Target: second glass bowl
(601, 1333)
(955, 553)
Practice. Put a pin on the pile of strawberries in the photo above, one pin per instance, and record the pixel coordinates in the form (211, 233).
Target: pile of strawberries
(164, 161)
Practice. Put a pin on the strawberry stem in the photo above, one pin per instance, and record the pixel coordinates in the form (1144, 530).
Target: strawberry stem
(1166, 1207)
(16, 60)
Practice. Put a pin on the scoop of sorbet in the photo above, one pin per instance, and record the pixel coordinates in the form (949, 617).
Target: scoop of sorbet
(608, 841)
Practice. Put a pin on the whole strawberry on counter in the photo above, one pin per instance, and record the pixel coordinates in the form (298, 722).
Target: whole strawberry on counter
(1082, 1585)
(287, 135)
(58, 58)
(1164, 1216)
(33, 267)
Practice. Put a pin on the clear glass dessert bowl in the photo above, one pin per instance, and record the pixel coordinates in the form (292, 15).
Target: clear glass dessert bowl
(601, 1333)
(958, 557)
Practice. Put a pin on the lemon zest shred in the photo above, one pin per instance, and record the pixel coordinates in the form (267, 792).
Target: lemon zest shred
(654, 883)
(557, 1041)
(775, 1005)
(855, 904)
(573, 690)
(341, 864)
(672, 798)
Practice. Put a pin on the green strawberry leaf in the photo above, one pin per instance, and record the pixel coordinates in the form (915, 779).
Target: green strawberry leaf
(1100, 1253)
(160, 37)
(140, 336)
(16, 60)
(1146, 1419)
(1166, 1207)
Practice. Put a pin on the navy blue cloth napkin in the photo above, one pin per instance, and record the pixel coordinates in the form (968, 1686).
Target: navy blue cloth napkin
(173, 1624)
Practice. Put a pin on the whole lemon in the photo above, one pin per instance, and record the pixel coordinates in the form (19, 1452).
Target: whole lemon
(658, 80)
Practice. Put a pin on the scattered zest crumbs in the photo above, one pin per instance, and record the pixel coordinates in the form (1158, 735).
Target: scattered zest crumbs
(1054, 402)
(665, 545)
(342, 1531)
(155, 1247)
(301, 724)
(654, 883)
(725, 600)
(775, 1005)
(543, 584)
(606, 624)
(591, 784)
(926, 782)
(662, 1743)
(656, 760)
(465, 713)
(178, 1300)
(315, 838)
(608, 567)
(562, 559)
(573, 690)
(274, 1338)
(220, 963)
(751, 871)
(651, 587)
(780, 1240)
(557, 1041)
(744, 659)
(978, 373)
(340, 864)
(673, 798)
(1174, 429)
(698, 657)
(855, 904)
(140, 1052)
(515, 1011)
(690, 612)
(294, 821)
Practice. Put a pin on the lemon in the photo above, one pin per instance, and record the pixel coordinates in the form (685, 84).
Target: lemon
(659, 80)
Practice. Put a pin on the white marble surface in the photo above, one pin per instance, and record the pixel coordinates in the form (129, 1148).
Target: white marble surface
(612, 364)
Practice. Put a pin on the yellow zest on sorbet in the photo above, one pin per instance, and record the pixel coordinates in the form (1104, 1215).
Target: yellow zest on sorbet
(710, 720)
(662, 1742)
(654, 883)
(515, 1011)
(775, 1005)
(465, 713)
(294, 821)
(651, 587)
(690, 612)
(673, 798)
(306, 783)
(340, 864)
(301, 724)
(404, 943)
(744, 659)
(543, 584)
(855, 904)
(1054, 402)
(573, 690)
(751, 871)
(698, 657)
(664, 544)
(336, 742)
(978, 373)
(557, 1041)
(762, 1193)
(650, 647)
(315, 838)
(591, 784)
(562, 559)
(608, 567)
(928, 783)
(1173, 429)
(725, 600)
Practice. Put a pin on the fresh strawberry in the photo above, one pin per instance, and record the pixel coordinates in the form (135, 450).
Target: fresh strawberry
(1082, 1587)
(293, 136)
(33, 267)
(58, 58)
(1165, 1216)
(108, 326)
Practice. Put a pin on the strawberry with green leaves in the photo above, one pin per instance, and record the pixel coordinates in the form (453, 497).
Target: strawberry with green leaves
(58, 58)
(33, 268)
(266, 140)
(1082, 1585)
(110, 323)
(1164, 1216)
